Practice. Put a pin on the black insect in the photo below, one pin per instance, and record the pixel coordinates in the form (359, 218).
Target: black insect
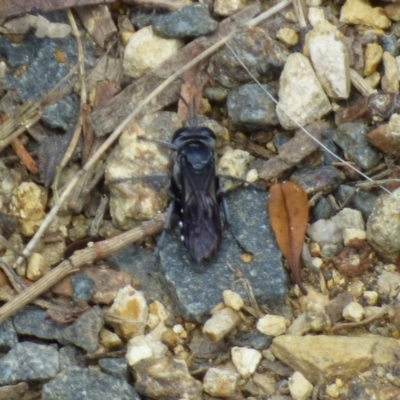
(195, 192)
(195, 189)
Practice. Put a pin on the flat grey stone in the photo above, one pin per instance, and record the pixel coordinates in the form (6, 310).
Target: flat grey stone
(351, 137)
(195, 290)
(29, 362)
(117, 367)
(192, 20)
(8, 336)
(84, 384)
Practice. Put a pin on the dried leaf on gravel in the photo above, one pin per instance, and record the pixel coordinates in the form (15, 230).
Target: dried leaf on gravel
(288, 211)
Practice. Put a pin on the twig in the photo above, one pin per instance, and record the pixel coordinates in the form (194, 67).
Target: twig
(366, 321)
(361, 84)
(98, 251)
(300, 10)
(29, 113)
(366, 185)
(79, 123)
(24, 156)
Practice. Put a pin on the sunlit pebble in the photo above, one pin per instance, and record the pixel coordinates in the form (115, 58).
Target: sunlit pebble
(178, 328)
(180, 224)
(182, 238)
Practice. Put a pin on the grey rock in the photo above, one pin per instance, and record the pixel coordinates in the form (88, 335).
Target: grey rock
(254, 339)
(362, 200)
(389, 44)
(71, 356)
(280, 139)
(141, 18)
(192, 20)
(29, 362)
(250, 108)
(8, 336)
(84, 331)
(142, 270)
(321, 179)
(82, 287)
(84, 384)
(323, 209)
(330, 250)
(327, 140)
(217, 93)
(263, 56)
(32, 321)
(38, 54)
(383, 226)
(117, 367)
(195, 290)
(351, 137)
(62, 114)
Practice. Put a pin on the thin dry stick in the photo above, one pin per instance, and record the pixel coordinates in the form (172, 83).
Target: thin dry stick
(99, 250)
(300, 10)
(30, 113)
(379, 314)
(114, 136)
(79, 123)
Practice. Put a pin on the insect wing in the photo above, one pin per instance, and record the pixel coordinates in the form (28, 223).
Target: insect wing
(200, 216)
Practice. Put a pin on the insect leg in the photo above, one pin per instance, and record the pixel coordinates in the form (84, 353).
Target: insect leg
(166, 227)
(229, 226)
(141, 177)
(234, 178)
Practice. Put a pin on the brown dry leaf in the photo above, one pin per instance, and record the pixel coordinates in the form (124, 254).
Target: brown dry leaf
(288, 211)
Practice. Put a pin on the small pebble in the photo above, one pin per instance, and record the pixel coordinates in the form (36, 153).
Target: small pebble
(192, 20)
(390, 79)
(225, 8)
(288, 36)
(129, 304)
(146, 50)
(82, 287)
(350, 234)
(372, 57)
(109, 339)
(245, 360)
(272, 325)
(232, 300)
(353, 312)
(37, 267)
(220, 324)
(300, 388)
(220, 383)
(371, 297)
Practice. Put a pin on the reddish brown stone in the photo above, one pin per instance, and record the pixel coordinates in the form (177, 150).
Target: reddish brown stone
(383, 142)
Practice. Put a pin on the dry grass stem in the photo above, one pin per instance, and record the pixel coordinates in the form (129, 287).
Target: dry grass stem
(98, 251)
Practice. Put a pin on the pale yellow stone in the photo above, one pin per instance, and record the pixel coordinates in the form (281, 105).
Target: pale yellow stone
(222, 322)
(300, 388)
(145, 51)
(131, 308)
(37, 267)
(220, 383)
(225, 8)
(290, 16)
(288, 36)
(109, 339)
(232, 299)
(27, 205)
(324, 358)
(373, 79)
(360, 12)
(390, 80)
(372, 57)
